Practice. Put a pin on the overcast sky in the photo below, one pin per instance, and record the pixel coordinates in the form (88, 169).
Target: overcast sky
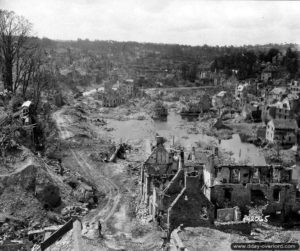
(191, 22)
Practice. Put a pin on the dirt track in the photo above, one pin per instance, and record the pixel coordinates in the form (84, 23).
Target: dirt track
(114, 195)
(111, 189)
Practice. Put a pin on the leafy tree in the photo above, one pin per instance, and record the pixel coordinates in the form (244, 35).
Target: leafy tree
(271, 53)
(291, 61)
(243, 61)
(184, 71)
(192, 73)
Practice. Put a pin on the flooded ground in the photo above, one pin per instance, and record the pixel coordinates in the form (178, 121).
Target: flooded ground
(176, 130)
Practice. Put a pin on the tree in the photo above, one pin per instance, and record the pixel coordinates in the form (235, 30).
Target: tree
(15, 48)
(184, 71)
(291, 61)
(271, 53)
(192, 73)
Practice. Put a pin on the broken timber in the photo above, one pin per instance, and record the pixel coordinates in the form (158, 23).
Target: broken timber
(114, 155)
(57, 234)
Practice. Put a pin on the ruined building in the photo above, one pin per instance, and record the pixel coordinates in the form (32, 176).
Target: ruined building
(111, 97)
(159, 110)
(283, 131)
(203, 191)
(228, 186)
(172, 192)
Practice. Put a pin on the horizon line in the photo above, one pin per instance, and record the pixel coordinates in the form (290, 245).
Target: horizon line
(163, 43)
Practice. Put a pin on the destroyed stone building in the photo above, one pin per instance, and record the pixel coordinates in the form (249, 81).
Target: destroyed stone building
(283, 131)
(227, 186)
(119, 93)
(111, 97)
(294, 87)
(129, 87)
(159, 110)
(252, 111)
(172, 191)
(279, 110)
(203, 191)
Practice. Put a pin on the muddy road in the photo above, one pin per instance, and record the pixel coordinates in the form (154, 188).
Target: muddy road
(112, 180)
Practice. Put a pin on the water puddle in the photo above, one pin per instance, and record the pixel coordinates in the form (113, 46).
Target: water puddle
(175, 129)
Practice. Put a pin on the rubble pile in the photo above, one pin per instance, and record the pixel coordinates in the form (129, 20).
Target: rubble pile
(142, 213)
(11, 229)
(41, 193)
(99, 122)
(133, 170)
(99, 156)
(70, 211)
(274, 156)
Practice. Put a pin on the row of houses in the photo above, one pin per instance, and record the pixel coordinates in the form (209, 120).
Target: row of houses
(279, 112)
(198, 189)
(277, 108)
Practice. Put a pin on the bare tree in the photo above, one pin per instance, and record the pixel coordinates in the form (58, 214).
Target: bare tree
(15, 48)
(40, 77)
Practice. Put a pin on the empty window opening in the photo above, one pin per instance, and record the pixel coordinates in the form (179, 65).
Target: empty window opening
(276, 194)
(224, 180)
(227, 194)
(258, 197)
(204, 213)
(297, 195)
(235, 175)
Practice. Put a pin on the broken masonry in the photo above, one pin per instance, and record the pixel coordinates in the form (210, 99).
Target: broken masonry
(198, 190)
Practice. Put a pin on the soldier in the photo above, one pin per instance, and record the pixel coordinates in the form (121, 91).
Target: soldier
(61, 168)
(99, 228)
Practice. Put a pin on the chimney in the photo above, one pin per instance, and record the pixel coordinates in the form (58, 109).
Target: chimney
(159, 140)
(182, 156)
(193, 154)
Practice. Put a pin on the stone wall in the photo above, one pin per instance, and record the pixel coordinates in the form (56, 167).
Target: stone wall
(241, 195)
(226, 214)
(191, 209)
